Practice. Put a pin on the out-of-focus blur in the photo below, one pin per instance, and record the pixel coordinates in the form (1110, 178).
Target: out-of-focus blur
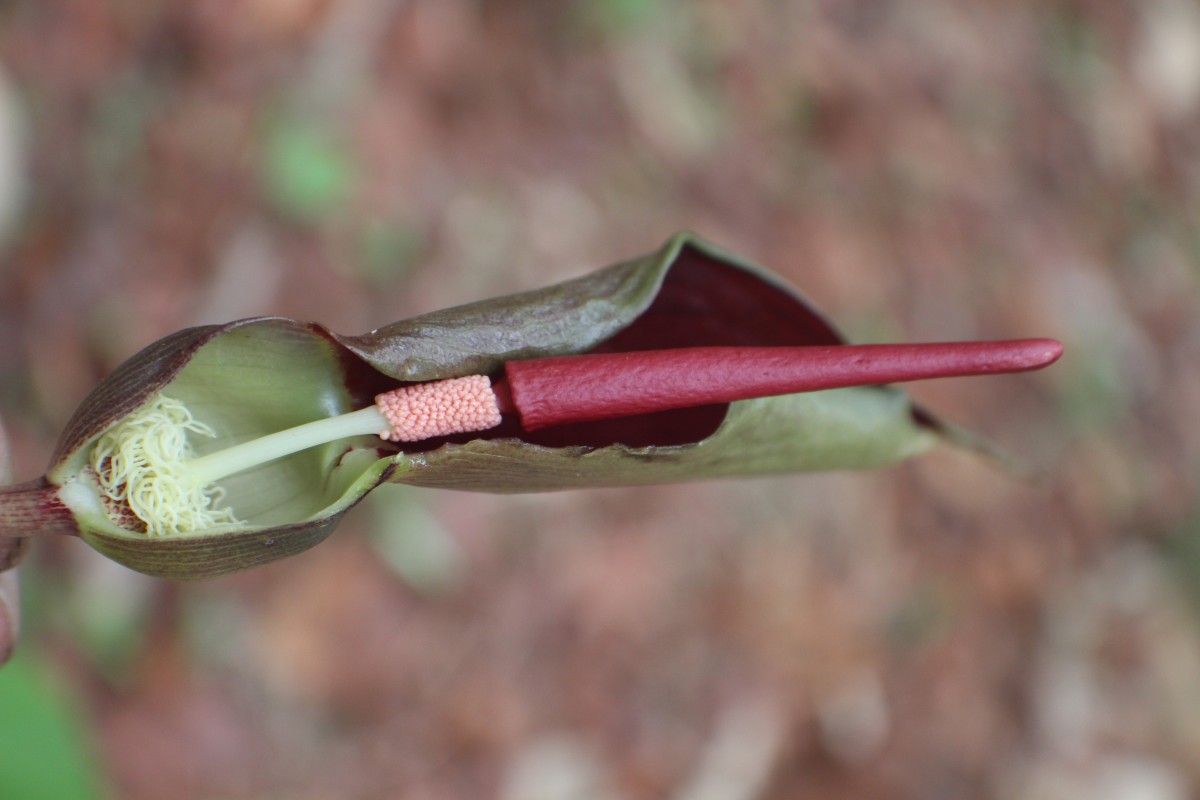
(923, 170)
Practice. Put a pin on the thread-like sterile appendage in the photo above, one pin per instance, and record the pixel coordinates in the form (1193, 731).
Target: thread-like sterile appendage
(141, 468)
(426, 410)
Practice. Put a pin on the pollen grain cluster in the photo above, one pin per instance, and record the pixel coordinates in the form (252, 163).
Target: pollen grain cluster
(426, 410)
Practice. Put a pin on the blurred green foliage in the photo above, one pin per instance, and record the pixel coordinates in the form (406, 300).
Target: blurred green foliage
(1181, 549)
(413, 542)
(103, 612)
(387, 251)
(307, 172)
(43, 753)
(619, 16)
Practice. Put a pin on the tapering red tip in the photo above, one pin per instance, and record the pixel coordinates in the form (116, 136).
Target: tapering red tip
(557, 391)
(1038, 353)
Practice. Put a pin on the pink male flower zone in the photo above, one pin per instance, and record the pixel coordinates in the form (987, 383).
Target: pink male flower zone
(223, 447)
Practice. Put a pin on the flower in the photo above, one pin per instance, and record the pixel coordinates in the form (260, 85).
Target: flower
(223, 447)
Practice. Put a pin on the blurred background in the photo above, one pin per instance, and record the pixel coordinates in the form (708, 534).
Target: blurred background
(922, 170)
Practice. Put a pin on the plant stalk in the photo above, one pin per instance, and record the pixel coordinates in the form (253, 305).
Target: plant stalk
(33, 509)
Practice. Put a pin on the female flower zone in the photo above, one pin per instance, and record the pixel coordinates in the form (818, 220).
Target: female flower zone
(223, 447)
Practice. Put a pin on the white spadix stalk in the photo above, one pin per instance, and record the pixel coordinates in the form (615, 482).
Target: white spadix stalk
(241, 457)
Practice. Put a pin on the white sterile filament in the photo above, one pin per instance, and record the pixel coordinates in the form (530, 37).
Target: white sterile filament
(142, 465)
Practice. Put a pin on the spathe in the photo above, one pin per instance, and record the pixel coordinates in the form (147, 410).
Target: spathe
(253, 377)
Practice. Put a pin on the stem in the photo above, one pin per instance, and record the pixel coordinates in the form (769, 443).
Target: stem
(32, 509)
(583, 388)
(223, 463)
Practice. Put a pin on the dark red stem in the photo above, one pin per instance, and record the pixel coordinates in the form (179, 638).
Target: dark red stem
(558, 391)
(33, 508)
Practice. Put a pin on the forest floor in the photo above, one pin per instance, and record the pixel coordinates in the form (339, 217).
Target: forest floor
(922, 170)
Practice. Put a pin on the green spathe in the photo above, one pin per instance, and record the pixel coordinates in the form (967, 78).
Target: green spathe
(250, 378)
(242, 381)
